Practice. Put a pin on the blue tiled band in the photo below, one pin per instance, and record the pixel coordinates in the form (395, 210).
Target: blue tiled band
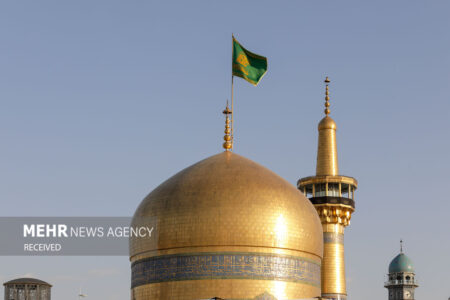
(197, 266)
(333, 238)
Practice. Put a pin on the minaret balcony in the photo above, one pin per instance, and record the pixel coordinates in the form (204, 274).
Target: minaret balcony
(401, 282)
(333, 201)
(338, 190)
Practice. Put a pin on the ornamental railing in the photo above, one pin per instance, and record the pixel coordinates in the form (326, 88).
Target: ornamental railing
(400, 282)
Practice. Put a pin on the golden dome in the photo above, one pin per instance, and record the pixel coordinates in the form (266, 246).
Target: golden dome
(226, 227)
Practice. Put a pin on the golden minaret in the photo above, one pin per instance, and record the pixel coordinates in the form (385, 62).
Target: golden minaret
(333, 197)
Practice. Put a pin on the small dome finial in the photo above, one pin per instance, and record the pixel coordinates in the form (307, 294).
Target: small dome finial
(401, 246)
(327, 97)
(228, 144)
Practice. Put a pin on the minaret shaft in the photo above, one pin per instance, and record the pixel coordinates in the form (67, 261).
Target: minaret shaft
(333, 263)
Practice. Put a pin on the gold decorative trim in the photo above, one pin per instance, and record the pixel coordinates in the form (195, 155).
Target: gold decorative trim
(327, 178)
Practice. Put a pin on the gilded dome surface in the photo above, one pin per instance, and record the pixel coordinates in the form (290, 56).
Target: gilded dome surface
(226, 227)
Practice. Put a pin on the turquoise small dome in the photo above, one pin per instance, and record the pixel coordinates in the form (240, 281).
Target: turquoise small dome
(401, 263)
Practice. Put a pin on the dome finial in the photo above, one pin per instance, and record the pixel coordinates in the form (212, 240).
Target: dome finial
(228, 145)
(327, 97)
(401, 246)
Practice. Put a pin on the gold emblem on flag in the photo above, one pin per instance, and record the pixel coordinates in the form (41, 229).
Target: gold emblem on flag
(243, 60)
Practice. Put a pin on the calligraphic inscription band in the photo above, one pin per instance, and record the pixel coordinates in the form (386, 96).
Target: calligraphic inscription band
(198, 266)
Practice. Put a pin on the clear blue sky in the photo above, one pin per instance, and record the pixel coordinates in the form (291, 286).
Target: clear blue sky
(100, 101)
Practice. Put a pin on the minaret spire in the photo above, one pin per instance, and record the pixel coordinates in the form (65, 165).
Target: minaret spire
(333, 197)
(228, 144)
(327, 158)
(327, 97)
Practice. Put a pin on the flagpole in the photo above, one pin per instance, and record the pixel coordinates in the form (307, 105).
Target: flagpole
(232, 86)
(232, 111)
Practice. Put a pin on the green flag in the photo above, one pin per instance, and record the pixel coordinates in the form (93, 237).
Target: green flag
(248, 65)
